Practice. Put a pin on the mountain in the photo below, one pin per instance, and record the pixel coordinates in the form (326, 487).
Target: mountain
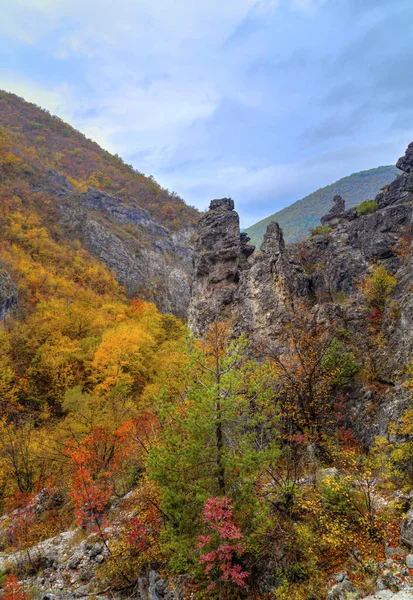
(297, 219)
(266, 455)
(138, 230)
(57, 145)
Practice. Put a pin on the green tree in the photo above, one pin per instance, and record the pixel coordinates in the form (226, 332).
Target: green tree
(218, 440)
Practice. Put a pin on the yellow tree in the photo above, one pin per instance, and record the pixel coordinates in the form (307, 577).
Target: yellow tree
(121, 361)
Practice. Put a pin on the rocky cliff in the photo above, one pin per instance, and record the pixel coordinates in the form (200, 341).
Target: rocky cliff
(148, 260)
(256, 290)
(138, 229)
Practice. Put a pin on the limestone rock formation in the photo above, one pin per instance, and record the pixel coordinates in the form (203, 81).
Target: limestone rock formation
(147, 259)
(318, 268)
(216, 264)
(253, 290)
(405, 163)
(335, 212)
(8, 294)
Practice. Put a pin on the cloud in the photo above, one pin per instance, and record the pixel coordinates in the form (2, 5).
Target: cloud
(130, 24)
(153, 118)
(150, 66)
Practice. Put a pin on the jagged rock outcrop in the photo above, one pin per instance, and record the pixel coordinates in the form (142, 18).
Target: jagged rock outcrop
(405, 162)
(8, 294)
(216, 264)
(253, 290)
(335, 212)
(246, 248)
(146, 258)
(231, 282)
(267, 287)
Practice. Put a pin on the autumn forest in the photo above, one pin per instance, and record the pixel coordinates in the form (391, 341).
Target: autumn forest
(225, 466)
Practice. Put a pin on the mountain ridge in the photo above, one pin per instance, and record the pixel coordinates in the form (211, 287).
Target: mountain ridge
(61, 147)
(298, 218)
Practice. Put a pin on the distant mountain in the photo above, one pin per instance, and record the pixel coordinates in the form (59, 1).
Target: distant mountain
(297, 219)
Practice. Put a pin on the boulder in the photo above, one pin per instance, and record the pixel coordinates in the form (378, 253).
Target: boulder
(96, 549)
(341, 591)
(406, 529)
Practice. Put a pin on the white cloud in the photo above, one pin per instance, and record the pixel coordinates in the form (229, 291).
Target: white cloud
(167, 25)
(152, 119)
(125, 44)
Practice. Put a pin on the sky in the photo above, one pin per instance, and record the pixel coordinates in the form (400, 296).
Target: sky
(261, 100)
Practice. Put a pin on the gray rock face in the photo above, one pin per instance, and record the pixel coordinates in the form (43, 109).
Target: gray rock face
(409, 561)
(253, 290)
(216, 264)
(341, 591)
(146, 258)
(406, 529)
(335, 212)
(8, 294)
(405, 163)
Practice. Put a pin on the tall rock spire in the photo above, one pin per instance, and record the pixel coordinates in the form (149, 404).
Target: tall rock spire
(218, 253)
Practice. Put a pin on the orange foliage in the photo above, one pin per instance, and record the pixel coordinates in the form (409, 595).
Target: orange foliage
(95, 462)
(12, 589)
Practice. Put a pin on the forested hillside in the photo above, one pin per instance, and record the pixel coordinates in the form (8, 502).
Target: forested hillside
(115, 212)
(297, 219)
(138, 460)
(57, 145)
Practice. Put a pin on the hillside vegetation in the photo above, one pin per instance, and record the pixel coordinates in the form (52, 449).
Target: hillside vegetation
(55, 144)
(232, 473)
(297, 219)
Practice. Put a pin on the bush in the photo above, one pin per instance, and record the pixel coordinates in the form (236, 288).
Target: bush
(378, 287)
(368, 207)
(341, 362)
(3, 578)
(321, 230)
(35, 125)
